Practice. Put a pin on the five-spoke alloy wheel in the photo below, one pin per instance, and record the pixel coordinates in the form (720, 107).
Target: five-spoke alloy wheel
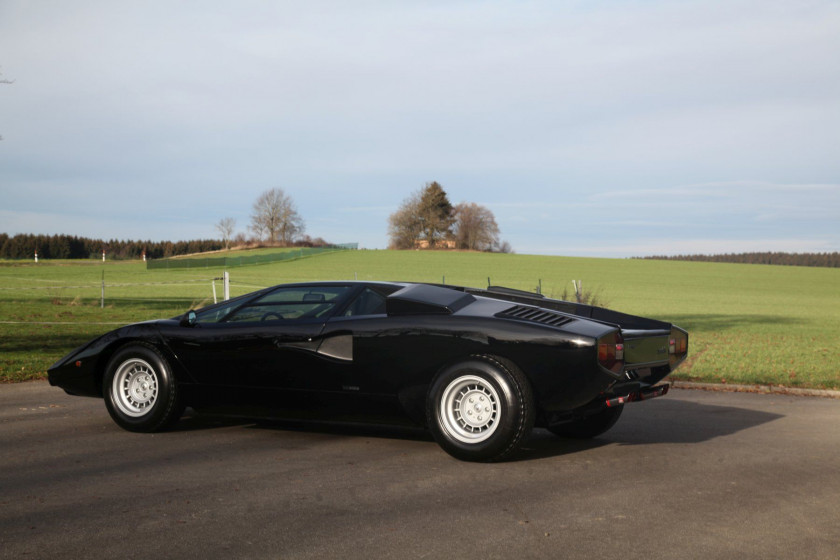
(140, 392)
(480, 409)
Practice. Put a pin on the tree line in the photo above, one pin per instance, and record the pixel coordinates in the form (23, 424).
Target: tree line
(829, 260)
(24, 246)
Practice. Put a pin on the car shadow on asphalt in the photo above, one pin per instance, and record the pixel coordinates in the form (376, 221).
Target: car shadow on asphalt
(194, 421)
(661, 422)
(543, 445)
(355, 429)
(681, 421)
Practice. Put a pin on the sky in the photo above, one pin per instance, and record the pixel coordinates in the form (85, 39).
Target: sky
(589, 128)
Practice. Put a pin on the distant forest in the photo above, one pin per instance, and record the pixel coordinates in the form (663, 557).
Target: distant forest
(23, 246)
(830, 260)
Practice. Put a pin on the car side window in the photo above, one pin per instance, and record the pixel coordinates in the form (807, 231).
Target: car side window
(369, 302)
(292, 303)
(217, 312)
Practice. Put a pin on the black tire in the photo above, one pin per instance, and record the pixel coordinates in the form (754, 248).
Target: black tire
(589, 426)
(140, 391)
(499, 419)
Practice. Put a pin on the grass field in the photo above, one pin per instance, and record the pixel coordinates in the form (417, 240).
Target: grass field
(748, 323)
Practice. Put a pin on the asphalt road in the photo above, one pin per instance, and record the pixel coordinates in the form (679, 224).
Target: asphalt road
(692, 475)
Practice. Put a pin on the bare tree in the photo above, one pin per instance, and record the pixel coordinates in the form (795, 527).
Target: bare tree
(275, 217)
(425, 216)
(503, 247)
(225, 228)
(475, 228)
(403, 225)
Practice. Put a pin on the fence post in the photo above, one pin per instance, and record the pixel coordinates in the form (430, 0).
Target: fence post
(102, 297)
(227, 285)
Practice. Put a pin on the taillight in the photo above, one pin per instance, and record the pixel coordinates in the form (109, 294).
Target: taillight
(677, 346)
(611, 352)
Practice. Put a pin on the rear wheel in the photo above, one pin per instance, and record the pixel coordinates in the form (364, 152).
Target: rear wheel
(480, 409)
(140, 392)
(589, 426)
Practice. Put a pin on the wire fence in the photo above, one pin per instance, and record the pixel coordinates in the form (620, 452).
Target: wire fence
(111, 292)
(229, 262)
(110, 285)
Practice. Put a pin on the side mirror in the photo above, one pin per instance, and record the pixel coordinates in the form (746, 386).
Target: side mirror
(189, 319)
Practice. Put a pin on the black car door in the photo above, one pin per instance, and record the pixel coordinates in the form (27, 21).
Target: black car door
(372, 381)
(268, 342)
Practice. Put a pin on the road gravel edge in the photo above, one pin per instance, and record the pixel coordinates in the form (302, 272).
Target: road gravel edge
(766, 389)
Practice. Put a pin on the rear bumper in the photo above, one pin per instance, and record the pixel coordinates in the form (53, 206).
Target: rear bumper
(618, 395)
(632, 392)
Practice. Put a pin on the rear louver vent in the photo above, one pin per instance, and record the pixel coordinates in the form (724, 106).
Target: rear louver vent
(535, 314)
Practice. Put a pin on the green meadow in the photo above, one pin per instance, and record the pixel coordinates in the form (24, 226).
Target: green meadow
(770, 325)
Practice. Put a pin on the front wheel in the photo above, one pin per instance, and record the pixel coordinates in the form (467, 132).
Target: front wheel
(589, 426)
(139, 389)
(480, 409)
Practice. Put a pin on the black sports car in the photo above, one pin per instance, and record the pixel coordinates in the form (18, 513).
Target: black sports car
(478, 367)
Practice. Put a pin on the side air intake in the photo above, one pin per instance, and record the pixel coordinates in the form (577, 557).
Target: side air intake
(535, 315)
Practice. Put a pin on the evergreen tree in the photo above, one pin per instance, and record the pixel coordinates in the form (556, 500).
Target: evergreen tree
(435, 213)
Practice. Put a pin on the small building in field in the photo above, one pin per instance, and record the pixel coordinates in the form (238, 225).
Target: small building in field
(439, 244)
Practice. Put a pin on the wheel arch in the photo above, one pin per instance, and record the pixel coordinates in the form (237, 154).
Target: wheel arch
(104, 357)
(498, 358)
